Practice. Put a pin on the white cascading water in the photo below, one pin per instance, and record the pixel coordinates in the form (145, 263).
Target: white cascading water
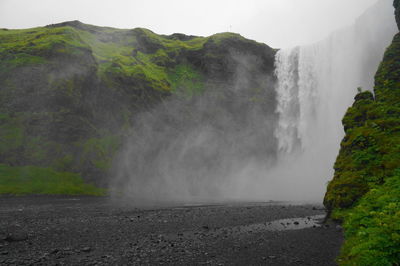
(212, 155)
(317, 83)
(286, 63)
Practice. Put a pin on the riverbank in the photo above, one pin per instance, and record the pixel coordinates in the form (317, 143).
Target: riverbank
(94, 231)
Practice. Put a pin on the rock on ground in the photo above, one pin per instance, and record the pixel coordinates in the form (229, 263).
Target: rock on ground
(93, 231)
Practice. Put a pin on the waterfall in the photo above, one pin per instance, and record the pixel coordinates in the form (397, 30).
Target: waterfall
(288, 99)
(317, 83)
(229, 144)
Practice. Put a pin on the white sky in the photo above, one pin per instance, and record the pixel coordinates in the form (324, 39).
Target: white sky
(278, 23)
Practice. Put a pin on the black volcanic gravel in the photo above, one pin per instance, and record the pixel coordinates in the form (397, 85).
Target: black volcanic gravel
(94, 231)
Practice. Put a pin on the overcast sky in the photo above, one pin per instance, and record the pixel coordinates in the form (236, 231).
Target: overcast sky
(278, 23)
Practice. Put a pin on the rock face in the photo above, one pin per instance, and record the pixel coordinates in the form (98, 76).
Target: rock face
(365, 189)
(369, 152)
(69, 91)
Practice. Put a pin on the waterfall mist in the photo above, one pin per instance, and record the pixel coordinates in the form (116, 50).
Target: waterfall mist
(316, 84)
(212, 146)
(277, 142)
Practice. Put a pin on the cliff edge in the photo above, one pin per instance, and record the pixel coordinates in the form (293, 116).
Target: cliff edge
(365, 189)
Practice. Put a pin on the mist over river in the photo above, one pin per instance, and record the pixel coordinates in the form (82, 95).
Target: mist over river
(229, 145)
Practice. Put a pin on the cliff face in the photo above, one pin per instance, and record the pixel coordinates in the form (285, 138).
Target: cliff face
(370, 150)
(69, 92)
(365, 190)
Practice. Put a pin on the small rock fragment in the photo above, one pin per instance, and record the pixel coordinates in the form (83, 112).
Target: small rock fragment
(86, 249)
(54, 251)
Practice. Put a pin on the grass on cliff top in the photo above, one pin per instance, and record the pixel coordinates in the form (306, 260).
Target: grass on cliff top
(30, 47)
(131, 55)
(120, 54)
(25, 180)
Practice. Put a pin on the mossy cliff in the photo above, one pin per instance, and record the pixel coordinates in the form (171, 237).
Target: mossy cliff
(365, 190)
(69, 91)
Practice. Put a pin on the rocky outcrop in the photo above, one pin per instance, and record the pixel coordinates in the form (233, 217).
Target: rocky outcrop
(69, 91)
(365, 189)
(368, 151)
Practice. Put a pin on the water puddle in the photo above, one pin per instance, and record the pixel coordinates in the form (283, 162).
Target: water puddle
(225, 232)
(284, 224)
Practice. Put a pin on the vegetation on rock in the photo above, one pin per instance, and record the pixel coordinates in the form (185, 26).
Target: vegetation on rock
(365, 190)
(69, 91)
(22, 180)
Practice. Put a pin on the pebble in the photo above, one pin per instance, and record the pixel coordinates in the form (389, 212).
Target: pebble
(86, 249)
(54, 251)
(200, 234)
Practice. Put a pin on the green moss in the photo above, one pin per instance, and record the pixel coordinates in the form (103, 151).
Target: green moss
(21, 48)
(69, 90)
(372, 229)
(120, 54)
(365, 189)
(36, 180)
(220, 37)
(11, 138)
(124, 62)
(123, 54)
(100, 151)
(186, 81)
(387, 79)
(169, 44)
(369, 152)
(39, 40)
(64, 163)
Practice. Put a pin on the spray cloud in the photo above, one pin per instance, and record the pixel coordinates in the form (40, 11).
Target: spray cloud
(274, 142)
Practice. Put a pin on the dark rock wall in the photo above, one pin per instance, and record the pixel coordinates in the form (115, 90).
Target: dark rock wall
(370, 151)
(69, 92)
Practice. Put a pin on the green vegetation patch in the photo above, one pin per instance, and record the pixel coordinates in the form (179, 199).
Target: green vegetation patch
(136, 56)
(31, 47)
(372, 228)
(365, 190)
(223, 36)
(369, 153)
(24, 180)
(186, 81)
(100, 151)
(69, 91)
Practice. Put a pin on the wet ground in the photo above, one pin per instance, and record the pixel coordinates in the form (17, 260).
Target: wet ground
(94, 231)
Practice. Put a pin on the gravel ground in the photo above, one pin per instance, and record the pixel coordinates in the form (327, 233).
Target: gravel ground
(96, 231)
